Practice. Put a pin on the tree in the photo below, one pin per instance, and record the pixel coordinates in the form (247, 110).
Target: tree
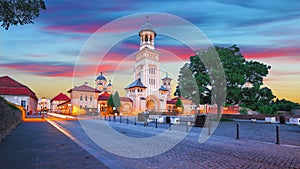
(110, 104)
(14, 12)
(187, 86)
(177, 92)
(243, 79)
(179, 105)
(285, 105)
(116, 100)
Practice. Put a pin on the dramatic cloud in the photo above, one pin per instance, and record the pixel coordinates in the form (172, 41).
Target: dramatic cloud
(271, 53)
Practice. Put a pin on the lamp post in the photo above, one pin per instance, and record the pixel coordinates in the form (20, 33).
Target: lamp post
(69, 107)
(43, 107)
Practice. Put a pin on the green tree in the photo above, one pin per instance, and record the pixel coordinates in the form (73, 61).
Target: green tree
(177, 91)
(110, 104)
(179, 105)
(285, 105)
(187, 85)
(116, 100)
(243, 79)
(14, 12)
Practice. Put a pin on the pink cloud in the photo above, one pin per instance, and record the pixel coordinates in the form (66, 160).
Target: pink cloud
(42, 69)
(270, 53)
(181, 52)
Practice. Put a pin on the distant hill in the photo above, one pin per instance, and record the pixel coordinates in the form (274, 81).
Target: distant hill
(10, 118)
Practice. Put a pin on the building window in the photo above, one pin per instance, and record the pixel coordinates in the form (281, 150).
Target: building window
(23, 103)
(80, 98)
(85, 106)
(85, 98)
(91, 98)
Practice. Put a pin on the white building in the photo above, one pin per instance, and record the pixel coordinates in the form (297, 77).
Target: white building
(148, 91)
(19, 94)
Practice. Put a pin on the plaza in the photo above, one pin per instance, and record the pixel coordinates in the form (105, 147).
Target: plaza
(222, 150)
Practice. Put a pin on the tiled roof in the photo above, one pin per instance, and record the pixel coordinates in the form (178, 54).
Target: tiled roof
(174, 100)
(66, 102)
(84, 88)
(126, 99)
(9, 86)
(136, 83)
(60, 97)
(104, 96)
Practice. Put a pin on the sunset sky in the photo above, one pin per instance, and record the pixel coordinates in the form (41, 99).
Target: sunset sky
(43, 55)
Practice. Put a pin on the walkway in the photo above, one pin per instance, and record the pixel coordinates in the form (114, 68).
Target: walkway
(35, 145)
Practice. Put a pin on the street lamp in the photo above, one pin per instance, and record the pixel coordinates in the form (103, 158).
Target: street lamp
(43, 107)
(69, 106)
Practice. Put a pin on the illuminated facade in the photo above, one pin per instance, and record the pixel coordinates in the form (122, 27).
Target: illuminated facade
(147, 91)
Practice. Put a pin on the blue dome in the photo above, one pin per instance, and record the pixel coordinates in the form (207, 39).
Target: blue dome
(101, 77)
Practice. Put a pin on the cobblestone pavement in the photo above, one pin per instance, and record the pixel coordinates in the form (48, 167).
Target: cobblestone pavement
(222, 150)
(38, 145)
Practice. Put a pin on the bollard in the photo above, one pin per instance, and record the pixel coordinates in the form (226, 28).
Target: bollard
(134, 120)
(277, 134)
(237, 131)
(209, 125)
(108, 118)
(114, 118)
(104, 117)
(187, 126)
(155, 123)
(127, 120)
(209, 128)
(170, 126)
(120, 119)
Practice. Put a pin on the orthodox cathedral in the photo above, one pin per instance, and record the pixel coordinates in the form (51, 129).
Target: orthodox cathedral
(149, 91)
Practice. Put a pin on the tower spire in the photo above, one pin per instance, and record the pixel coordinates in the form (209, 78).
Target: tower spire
(147, 35)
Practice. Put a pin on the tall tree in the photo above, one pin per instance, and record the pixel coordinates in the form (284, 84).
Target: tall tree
(14, 12)
(243, 78)
(116, 100)
(187, 86)
(179, 105)
(110, 101)
(110, 104)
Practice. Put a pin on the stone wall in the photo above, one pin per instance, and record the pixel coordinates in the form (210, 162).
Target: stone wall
(10, 118)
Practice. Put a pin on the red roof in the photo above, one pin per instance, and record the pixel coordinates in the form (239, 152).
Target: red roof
(104, 96)
(84, 88)
(174, 100)
(9, 86)
(125, 99)
(66, 102)
(60, 97)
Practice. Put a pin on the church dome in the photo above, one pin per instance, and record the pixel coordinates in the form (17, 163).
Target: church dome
(101, 77)
(147, 26)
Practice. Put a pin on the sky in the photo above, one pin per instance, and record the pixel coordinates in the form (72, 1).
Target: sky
(73, 35)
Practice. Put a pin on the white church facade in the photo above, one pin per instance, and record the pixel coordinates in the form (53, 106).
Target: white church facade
(148, 91)
(151, 89)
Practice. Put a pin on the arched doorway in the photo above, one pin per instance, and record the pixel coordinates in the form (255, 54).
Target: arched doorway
(151, 105)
